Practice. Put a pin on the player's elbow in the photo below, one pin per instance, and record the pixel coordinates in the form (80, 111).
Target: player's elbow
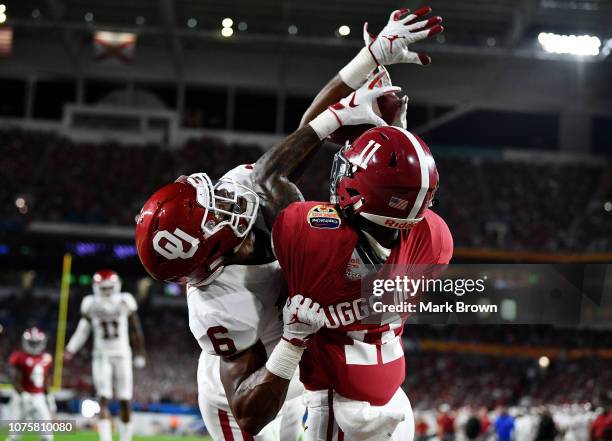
(248, 416)
(250, 424)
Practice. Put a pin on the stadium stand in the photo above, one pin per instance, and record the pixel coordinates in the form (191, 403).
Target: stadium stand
(504, 204)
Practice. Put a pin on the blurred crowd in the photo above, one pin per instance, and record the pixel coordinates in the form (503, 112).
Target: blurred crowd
(487, 202)
(576, 422)
(434, 377)
(461, 379)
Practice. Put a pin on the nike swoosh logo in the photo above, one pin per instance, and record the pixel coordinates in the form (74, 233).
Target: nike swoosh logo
(352, 102)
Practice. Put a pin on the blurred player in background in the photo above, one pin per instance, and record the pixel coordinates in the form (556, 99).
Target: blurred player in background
(112, 316)
(29, 371)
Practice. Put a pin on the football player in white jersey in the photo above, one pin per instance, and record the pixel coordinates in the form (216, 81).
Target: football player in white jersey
(112, 316)
(216, 239)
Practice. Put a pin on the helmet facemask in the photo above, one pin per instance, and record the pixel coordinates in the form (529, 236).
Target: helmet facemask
(34, 341)
(106, 287)
(341, 168)
(226, 203)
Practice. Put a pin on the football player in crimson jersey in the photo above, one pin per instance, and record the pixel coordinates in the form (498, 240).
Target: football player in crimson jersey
(113, 317)
(216, 239)
(381, 187)
(30, 374)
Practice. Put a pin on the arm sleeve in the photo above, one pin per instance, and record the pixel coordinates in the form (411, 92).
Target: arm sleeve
(223, 335)
(86, 305)
(80, 336)
(223, 329)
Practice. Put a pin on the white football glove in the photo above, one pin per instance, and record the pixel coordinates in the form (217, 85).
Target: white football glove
(391, 44)
(140, 362)
(302, 317)
(355, 109)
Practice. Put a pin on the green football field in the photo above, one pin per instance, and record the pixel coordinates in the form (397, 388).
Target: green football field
(93, 436)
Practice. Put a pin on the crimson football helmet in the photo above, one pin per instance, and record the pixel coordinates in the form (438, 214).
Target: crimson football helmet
(387, 175)
(33, 341)
(186, 228)
(106, 282)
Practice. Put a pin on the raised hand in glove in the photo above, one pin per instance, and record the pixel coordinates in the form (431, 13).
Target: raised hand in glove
(355, 109)
(391, 45)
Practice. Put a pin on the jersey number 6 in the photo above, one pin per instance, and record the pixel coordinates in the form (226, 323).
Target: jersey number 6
(223, 346)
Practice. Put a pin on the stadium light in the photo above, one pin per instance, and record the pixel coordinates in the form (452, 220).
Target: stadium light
(344, 30)
(227, 22)
(581, 45)
(544, 362)
(227, 32)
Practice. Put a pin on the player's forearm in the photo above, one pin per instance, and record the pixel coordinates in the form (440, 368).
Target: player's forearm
(332, 92)
(254, 394)
(80, 336)
(285, 158)
(16, 379)
(137, 334)
(258, 399)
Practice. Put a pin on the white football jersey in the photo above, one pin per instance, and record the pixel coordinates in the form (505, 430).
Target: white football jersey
(236, 309)
(109, 320)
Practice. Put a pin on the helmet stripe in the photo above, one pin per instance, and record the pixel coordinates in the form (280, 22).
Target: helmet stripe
(424, 172)
(367, 159)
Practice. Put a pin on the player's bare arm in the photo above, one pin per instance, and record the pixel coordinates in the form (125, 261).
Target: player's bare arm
(78, 339)
(255, 385)
(274, 170)
(255, 395)
(137, 339)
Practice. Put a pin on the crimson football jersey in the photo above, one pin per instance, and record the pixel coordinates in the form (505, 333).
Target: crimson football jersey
(34, 370)
(317, 251)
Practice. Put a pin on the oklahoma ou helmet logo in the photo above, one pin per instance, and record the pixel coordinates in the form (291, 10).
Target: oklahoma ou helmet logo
(173, 246)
